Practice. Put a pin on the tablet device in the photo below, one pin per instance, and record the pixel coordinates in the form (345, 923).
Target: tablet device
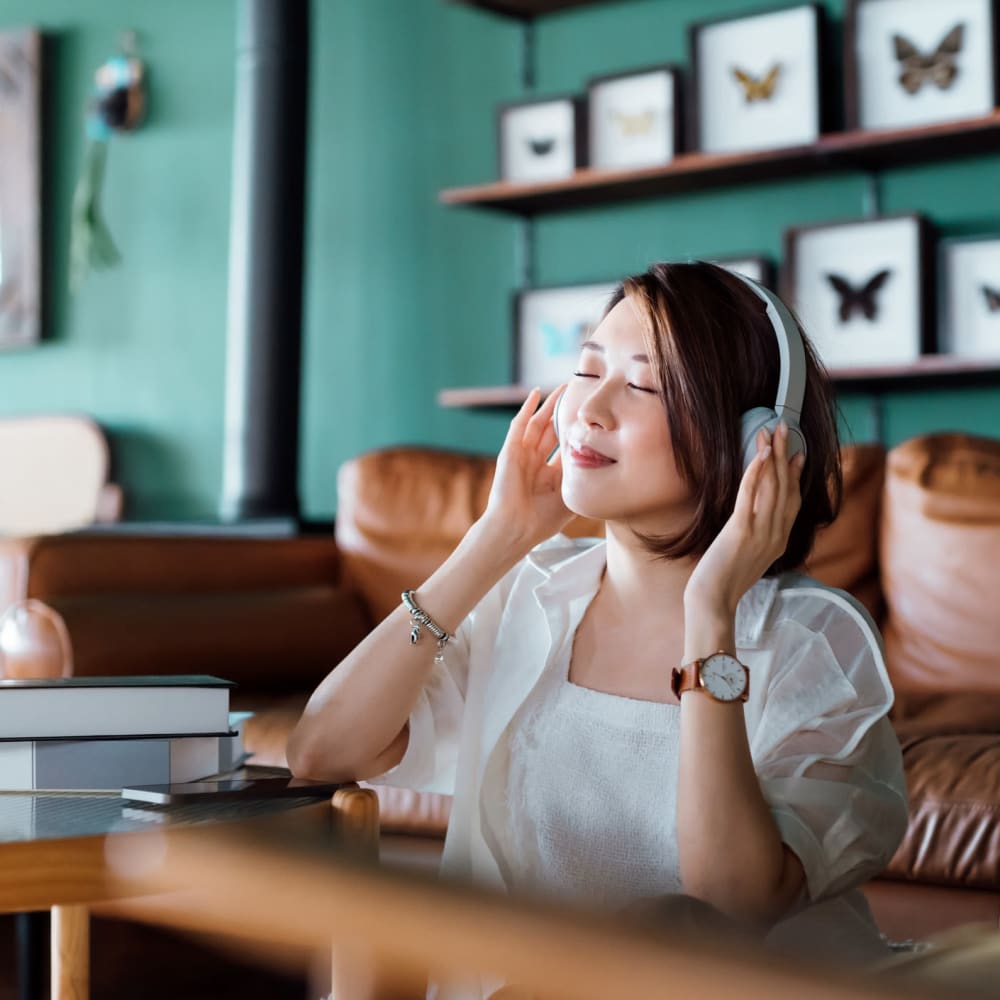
(230, 788)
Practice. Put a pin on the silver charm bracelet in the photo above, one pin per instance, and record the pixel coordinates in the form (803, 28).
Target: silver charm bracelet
(420, 619)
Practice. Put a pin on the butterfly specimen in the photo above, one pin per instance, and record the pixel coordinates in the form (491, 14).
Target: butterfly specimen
(858, 299)
(992, 297)
(755, 89)
(938, 68)
(634, 124)
(563, 339)
(542, 147)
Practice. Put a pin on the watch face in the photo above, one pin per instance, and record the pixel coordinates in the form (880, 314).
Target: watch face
(723, 677)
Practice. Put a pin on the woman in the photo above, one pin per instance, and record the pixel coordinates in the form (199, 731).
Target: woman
(538, 686)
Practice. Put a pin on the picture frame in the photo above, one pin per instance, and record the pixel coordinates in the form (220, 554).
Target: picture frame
(916, 62)
(969, 315)
(20, 189)
(756, 266)
(863, 289)
(758, 80)
(634, 118)
(542, 139)
(550, 324)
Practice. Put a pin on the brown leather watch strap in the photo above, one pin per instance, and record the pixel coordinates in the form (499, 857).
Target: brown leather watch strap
(685, 678)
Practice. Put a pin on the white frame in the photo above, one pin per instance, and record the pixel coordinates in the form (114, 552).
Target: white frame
(725, 121)
(967, 325)
(754, 266)
(525, 129)
(857, 250)
(881, 100)
(550, 325)
(633, 119)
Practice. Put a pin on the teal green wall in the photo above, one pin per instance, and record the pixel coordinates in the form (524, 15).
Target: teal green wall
(402, 296)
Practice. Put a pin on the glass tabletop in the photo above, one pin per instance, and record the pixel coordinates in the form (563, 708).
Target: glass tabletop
(36, 816)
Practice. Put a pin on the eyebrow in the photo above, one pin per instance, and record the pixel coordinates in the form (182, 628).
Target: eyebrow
(592, 345)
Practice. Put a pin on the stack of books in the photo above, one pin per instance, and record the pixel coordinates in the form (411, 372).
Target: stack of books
(104, 733)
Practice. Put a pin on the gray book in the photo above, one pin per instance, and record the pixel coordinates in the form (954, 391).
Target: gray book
(109, 764)
(73, 707)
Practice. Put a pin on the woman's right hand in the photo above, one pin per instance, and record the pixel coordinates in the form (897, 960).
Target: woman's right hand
(525, 501)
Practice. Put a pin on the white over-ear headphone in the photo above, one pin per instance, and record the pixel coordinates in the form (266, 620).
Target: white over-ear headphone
(791, 382)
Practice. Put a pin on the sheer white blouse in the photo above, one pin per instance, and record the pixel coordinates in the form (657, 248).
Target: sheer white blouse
(827, 759)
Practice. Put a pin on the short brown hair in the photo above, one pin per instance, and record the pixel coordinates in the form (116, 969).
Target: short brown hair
(714, 355)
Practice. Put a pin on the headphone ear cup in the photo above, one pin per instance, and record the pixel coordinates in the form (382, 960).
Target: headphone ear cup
(751, 423)
(555, 415)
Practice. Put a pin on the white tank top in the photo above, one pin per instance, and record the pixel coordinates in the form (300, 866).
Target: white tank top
(592, 797)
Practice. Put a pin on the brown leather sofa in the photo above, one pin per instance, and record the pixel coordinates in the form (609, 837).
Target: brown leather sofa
(918, 541)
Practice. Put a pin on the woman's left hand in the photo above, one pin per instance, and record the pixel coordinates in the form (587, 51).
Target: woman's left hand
(757, 532)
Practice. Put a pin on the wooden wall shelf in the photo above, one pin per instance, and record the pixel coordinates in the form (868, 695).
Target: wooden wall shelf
(932, 369)
(525, 10)
(857, 150)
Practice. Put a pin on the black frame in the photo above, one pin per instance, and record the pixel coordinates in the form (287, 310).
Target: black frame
(679, 108)
(852, 105)
(926, 259)
(824, 64)
(516, 298)
(579, 129)
(943, 292)
(21, 190)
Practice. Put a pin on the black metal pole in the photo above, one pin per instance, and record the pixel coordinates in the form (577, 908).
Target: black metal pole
(263, 360)
(32, 945)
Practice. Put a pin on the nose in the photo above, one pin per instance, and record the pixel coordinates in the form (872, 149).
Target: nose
(595, 407)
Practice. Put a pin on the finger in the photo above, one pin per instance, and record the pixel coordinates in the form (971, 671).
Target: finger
(540, 433)
(782, 473)
(767, 485)
(516, 429)
(749, 484)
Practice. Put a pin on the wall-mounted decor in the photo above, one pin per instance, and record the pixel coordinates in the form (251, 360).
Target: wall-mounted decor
(118, 104)
(20, 189)
(756, 80)
(969, 322)
(541, 139)
(550, 324)
(863, 289)
(913, 62)
(634, 118)
(754, 266)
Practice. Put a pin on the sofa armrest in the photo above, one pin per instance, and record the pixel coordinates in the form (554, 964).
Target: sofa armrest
(270, 614)
(102, 562)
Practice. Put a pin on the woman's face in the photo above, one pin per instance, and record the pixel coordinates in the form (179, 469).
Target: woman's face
(617, 457)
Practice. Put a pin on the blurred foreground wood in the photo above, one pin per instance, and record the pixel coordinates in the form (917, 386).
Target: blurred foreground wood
(299, 893)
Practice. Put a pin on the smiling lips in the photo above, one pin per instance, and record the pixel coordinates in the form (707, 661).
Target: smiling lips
(587, 458)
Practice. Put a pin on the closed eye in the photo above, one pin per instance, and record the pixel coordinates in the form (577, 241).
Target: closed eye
(586, 375)
(642, 388)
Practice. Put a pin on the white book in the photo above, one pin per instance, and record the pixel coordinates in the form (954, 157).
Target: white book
(108, 764)
(73, 707)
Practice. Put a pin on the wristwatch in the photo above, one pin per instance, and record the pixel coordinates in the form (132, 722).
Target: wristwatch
(721, 676)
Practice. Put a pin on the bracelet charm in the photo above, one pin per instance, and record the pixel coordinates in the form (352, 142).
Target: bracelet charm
(419, 619)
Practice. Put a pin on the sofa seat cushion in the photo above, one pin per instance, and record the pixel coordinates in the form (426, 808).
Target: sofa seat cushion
(953, 836)
(940, 549)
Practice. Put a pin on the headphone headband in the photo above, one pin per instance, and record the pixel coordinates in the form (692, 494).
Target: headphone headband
(791, 353)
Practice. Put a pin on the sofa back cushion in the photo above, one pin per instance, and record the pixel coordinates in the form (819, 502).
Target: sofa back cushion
(845, 553)
(940, 555)
(401, 511)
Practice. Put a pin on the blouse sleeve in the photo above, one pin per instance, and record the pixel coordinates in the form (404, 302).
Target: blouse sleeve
(431, 757)
(827, 758)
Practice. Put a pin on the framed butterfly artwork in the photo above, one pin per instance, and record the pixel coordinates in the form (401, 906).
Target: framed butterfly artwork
(20, 189)
(863, 289)
(758, 80)
(969, 319)
(754, 266)
(634, 118)
(550, 325)
(915, 62)
(542, 139)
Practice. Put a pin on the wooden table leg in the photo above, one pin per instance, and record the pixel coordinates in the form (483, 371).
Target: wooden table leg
(70, 953)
